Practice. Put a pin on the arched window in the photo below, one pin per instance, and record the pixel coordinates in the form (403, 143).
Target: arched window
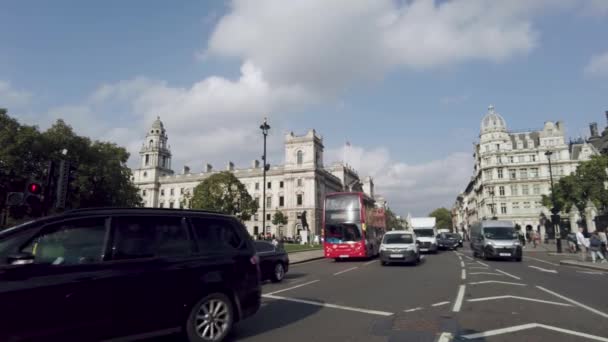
(147, 157)
(300, 157)
(151, 142)
(145, 174)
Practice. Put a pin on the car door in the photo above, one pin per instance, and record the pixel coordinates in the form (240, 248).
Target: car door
(266, 253)
(63, 294)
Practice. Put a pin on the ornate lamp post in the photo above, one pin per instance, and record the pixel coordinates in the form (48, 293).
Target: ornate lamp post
(264, 127)
(555, 217)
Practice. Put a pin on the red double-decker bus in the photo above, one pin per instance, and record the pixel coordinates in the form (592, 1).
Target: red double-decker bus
(352, 226)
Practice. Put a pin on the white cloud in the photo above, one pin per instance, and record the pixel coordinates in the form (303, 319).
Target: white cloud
(11, 97)
(598, 65)
(416, 188)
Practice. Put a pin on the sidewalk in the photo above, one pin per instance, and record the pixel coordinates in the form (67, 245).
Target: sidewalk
(300, 257)
(586, 264)
(542, 248)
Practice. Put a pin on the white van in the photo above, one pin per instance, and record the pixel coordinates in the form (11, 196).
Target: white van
(495, 239)
(427, 237)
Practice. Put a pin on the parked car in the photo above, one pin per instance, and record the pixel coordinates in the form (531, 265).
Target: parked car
(274, 262)
(399, 246)
(97, 274)
(447, 241)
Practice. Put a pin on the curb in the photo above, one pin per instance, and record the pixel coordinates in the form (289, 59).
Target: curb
(589, 266)
(306, 250)
(306, 260)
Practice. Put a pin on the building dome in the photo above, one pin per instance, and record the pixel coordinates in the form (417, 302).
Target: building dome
(157, 126)
(493, 122)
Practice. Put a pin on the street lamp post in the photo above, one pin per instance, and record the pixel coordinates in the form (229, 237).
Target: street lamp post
(264, 127)
(555, 217)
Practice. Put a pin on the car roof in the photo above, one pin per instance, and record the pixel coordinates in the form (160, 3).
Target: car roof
(497, 224)
(390, 232)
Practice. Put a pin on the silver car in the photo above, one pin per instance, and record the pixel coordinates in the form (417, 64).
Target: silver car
(399, 246)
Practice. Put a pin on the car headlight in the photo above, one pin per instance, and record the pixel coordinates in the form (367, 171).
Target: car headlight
(516, 243)
(382, 248)
(491, 243)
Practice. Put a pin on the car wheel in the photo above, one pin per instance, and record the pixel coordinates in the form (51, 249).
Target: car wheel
(211, 319)
(483, 254)
(279, 272)
(383, 263)
(518, 259)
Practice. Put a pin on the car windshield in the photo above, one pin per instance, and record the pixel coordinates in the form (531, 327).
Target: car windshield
(454, 236)
(341, 233)
(424, 232)
(500, 233)
(391, 239)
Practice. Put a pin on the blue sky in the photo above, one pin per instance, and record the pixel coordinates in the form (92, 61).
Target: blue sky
(406, 82)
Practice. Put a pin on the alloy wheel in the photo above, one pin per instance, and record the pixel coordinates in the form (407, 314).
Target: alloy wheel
(212, 319)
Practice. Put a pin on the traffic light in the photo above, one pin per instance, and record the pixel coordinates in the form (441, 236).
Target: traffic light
(33, 198)
(14, 199)
(67, 174)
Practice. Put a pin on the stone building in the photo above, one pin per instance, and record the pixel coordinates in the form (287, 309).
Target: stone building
(296, 187)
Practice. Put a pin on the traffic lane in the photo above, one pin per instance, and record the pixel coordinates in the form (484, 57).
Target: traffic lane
(391, 288)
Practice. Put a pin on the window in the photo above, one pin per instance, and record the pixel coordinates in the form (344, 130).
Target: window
(503, 208)
(255, 216)
(487, 148)
(500, 173)
(143, 192)
(281, 184)
(269, 202)
(161, 205)
(525, 189)
(216, 235)
(497, 147)
(499, 160)
(534, 173)
(170, 204)
(269, 185)
(515, 205)
(491, 191)
(171, 191)
(139, 237)
(533, 158)
(512, 173)
(520, 159)
(527, 205)
(268, 217)
(181, 191)
(536, 189)
(300, 157)
(299, 181)
(257, 186)
(501, 190)
(281, 201)
(299, 199)
(523, 173)
(147, 157)
(69, 243)
(257, 201)
(263, 247)
(511, 159)
(488, 174)
(145, 174)
(162, 192)
(514, 191)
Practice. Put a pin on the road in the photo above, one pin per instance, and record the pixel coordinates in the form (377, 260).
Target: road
(449, 294)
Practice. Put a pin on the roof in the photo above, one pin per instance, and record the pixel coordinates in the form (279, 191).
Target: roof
(497, 224)
(423, 222)
(399, 232)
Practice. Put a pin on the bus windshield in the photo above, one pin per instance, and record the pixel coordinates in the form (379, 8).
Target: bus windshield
(424, 232)
(343, 208)
(342, 233)
(500, 233)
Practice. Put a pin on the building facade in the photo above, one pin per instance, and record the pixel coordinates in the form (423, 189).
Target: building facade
(297, 188)
(511, 172)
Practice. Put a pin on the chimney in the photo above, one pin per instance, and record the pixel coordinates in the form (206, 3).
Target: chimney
(593, 130)
(186, 169)
(230, 166)
(255, 164)
(208, 168)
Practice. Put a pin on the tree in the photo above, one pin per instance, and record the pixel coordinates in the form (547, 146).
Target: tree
(443, 217)
(279, 219)
(224, 193)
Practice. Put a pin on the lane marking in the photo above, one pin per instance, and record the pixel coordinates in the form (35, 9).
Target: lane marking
(488, 273)
(370, 262)
(346, 270)
(481, 263)
(445, 337)
(332, 306)
(468, 257)
(463, 274)
(595, 311)
(461, 263)
(591, 272)
(478, 267)
(542, 269)
(291, 288)
(440, 303)
(516, 297)
(412, 310)
(496, 282)
(517, 328)
(459, 298)
(541, 260)
(508, 274)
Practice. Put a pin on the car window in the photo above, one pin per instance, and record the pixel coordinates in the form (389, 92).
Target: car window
(215, 235)
(69, 243)
(138, 237)
(262, 247)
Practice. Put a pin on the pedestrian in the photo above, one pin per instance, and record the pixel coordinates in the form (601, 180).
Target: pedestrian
(595, 245)
(604, 238)
(522, 238)
(583, 243)
(535, 237)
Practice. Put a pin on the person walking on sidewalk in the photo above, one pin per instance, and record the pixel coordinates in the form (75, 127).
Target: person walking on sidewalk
(604, 238)
(583, 243)
(595, 244)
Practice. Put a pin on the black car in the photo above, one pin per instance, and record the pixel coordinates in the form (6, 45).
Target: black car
(274, 261)
(447, 241)
(98, 274)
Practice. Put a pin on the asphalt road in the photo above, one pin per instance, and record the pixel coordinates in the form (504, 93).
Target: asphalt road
(533, 300)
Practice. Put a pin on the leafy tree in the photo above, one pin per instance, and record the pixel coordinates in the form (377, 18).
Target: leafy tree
(223, 192)
(443, 217)
(279, 219)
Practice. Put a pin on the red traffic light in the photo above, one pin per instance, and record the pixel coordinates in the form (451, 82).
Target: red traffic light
(34, 188)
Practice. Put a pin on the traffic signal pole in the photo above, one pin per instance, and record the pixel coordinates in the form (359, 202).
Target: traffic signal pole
(47, 197)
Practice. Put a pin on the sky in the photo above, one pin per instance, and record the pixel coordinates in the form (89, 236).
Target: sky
(406, 82)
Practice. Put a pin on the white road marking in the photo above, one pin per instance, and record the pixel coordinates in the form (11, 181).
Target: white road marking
(591, 272)
(370, 262)
(468, 257)
(488, 273)
(463, 274)
(542, 269)
(445, 337)
(516, 297)
(440, 303)
(531, 326)
(291, 288)
(598, 312)
(478, 267)
(461, 263)
(412, 310)
(481, 263)
(496, 282)
(541, 260)
(459, 297)
(327, 305)
(508, 274)
(346, 270)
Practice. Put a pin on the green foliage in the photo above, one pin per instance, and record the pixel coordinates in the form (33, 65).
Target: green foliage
(223, 192)
(279, 219)
(443, 217)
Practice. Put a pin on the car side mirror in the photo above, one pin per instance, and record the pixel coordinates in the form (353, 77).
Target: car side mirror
(20, 259)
